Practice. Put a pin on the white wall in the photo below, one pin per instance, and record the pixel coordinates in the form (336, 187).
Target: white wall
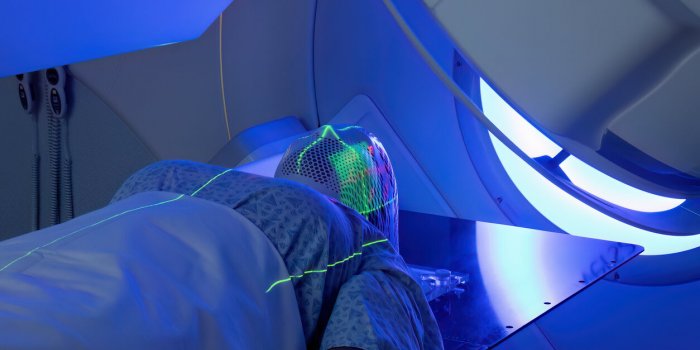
(171, 95)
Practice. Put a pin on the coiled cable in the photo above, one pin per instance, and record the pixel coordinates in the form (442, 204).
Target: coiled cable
(66, 174)
(36, 189)
(54, 141)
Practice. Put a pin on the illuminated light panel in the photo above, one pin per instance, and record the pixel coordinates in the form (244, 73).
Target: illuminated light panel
(579, 219)
(508, 260)
(514, 126)
(536, 144)
(607, 188)
(308, 272)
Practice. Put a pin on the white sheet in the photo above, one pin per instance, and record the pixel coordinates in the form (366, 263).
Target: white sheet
(151, 271)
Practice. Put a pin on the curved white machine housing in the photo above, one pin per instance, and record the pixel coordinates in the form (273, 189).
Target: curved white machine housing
(613, 84)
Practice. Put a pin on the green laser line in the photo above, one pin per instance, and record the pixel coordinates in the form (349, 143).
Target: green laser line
(209, 182)
(308, 272)
(308, 147)
(350, 127)
(326, 129)
(30, 252)
(379, 206)
(375, 242)
(345, 260)
(86, 227)
(335, 134)
(278, 282)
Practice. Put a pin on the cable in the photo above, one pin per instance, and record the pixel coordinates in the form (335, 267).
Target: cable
(28, 102)
(66, 175)
(56, 106)
(313, 63)
(54, 140)
(36, 176)
(221, 74)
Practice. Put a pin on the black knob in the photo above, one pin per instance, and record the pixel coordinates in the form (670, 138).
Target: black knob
(52, 76)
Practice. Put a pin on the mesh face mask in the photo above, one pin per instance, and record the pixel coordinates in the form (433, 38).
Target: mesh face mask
(351, 165)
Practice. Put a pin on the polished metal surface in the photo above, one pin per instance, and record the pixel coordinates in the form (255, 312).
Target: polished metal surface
(515, 274)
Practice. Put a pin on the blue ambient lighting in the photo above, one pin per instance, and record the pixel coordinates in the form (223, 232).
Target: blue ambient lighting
(577, 218)
(535, 144)
(605, 187)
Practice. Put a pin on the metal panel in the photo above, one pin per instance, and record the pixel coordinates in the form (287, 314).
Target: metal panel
(516, 275)
(358, 49)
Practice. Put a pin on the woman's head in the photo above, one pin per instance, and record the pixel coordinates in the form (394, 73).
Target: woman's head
(351, 165)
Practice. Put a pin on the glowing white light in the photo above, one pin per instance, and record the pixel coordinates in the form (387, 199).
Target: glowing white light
(605, 187)
(514, 126)
(535, 144)
(577, 218)
(507, 260)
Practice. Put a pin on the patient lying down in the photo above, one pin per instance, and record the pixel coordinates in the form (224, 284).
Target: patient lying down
(191, 255)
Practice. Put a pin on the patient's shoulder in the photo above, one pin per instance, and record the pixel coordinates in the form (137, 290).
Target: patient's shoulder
(285, 194)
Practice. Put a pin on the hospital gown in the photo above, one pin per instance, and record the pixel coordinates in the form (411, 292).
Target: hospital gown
(352, 288)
